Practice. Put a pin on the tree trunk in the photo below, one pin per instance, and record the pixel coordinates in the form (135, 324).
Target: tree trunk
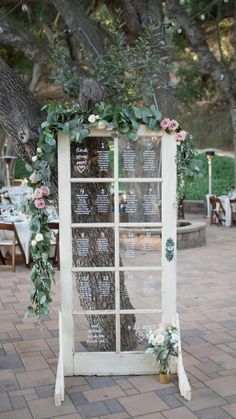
(20, 113)
(96, 291)
(233, 119)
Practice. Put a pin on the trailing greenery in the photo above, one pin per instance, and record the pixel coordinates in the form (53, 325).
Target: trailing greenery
(75, 123)
(222, 178)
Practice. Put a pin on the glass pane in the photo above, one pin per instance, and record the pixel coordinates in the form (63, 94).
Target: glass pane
(95, 333)
(140, 202)
(93, 247)
(92, 202)
(140, 246)
(142, 290)
(140, 158)
(94, 291)
(136, 328)
(92, 158)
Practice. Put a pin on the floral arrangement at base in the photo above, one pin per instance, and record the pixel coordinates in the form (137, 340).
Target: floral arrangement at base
(164, 343)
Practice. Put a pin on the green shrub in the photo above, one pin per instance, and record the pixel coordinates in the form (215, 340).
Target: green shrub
(20, 170)
(222, 178)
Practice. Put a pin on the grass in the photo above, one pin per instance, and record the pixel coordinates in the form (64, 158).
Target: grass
(222, 178)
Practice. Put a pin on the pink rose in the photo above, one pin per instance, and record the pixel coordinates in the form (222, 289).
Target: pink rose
(181, 136)
(38, 193)
(32, 178)
(165, 123)
(45, 190)
(39, 203)
(173, 125)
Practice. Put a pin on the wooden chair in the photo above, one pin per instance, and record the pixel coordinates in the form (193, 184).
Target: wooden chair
(11, 243)
(181, 208)
(217, 210)
(54, 226)
(233, 210)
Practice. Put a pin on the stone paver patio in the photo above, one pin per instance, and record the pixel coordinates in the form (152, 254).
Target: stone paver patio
(207, 309)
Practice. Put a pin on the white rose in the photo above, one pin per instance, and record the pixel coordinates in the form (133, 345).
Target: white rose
(34, 158)
(33, 243)
(39, 237)
(97, 117)
(92, 118)
(39, 150)
(159, 340)
(101, 125)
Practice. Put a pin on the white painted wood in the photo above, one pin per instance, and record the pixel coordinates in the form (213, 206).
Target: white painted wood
(117, 311)
(60, 384)
(112, 269)
(67, 327)
(111, 179)
(169, 215)
(142, 131)
(111, 363)
(184, 386)
(117, 242)
(119, 363)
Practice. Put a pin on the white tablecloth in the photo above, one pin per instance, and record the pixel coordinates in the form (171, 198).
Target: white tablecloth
(226, 205)
(24, 234)
(23, 231)
(17, 194)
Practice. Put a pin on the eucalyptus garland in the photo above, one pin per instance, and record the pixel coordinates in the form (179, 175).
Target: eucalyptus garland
(74, 122)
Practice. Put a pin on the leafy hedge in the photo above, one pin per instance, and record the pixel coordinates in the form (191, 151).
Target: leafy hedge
(222, 178)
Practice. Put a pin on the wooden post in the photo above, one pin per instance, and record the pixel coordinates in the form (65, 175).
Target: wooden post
(169, 237)
(67, 323)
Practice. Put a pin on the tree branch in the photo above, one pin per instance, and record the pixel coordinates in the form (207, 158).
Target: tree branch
(233, 41)
(199, 45)
(12, 35)
(75, 17)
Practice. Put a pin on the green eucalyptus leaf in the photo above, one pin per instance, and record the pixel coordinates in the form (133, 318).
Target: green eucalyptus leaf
(28, 167)
(133, 136)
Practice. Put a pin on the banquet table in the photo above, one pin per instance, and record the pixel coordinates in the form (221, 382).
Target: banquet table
(225, 200)
(23, 230)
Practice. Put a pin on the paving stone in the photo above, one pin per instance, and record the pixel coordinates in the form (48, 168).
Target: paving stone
(34, 379)
(151, 416)
(45, 391)
(5, 403)
(113, 406)
(142, 404)
(147, 382)
(98, 382)
(16, 414)
(29, 346)
(224, 386)
(203, 399)
(120, 415)
(18, 402)
(225, 360)
(230, 409)
(131, 391)
(10, 362)
(106, 393)
(124, 384)
(34, 362)
(72, 416)
(45, 408)
(179, 413)
(213, 413)
(78, 399)
(172, 401)
(93, 409)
